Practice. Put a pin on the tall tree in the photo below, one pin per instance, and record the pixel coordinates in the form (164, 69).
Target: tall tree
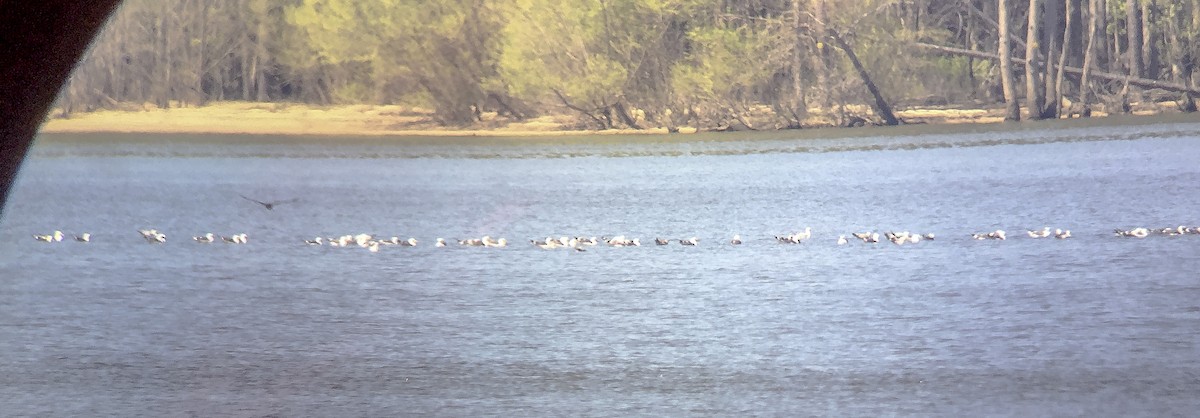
(1177, 35)
(821, 55)
(794, 108)
(1105, 60)
(1052, 45)
(1149, 55)
(1033, 61)
(1089, 55)
(1133, 31)
(1012, 107)
(1055, 106)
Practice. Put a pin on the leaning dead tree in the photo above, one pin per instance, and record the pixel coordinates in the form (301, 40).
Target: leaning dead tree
(881, 105)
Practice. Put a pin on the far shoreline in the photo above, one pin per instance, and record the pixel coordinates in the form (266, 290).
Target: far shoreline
(383, 121)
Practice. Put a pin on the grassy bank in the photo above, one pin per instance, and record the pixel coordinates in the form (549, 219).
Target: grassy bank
(368, 120)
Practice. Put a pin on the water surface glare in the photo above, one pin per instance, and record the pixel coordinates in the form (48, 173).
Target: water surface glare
(1094, 325)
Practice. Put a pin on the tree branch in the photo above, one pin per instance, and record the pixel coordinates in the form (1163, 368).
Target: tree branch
(1135, 81)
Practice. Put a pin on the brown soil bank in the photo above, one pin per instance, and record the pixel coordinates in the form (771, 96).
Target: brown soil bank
(368, 120)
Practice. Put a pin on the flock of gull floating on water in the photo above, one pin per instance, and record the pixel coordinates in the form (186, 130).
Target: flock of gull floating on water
(579, 243)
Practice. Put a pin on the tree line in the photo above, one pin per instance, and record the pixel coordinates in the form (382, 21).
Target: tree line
(642, 63)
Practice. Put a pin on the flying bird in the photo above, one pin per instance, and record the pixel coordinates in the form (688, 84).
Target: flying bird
(269, 205)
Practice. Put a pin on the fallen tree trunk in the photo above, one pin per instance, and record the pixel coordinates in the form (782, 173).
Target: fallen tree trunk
(600, 122)
(623, 114)
(1133, 81)
(737, 115)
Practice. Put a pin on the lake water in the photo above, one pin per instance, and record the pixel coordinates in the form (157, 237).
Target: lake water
(1087, 326)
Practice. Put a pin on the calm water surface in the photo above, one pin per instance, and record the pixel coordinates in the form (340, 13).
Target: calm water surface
(1093, 325)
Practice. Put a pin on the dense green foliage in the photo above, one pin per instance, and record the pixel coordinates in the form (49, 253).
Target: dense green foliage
(621, 63)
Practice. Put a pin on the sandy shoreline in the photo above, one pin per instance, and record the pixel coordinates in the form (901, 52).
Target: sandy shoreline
(300, 119)
(370, 120)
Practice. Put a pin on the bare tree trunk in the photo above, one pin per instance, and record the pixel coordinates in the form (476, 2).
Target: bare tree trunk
(1051, 46)
(1133, 29)
(202, 61)
(881, 106)
(1193, 45)
(260, 55)
(919, 10)
(1104, 59)
(68, 97)
(1033, 62)
(1089, 54)
(248, 64)
(821, 58)
(1068, 28)
(117, 67)
(799, 103)
(981, 15)
(1012, 107)
(190, 18)
(970, 69)
(167, 53)
(1149, 57)
(1118, 60)
(1181, 67)
(1076, 12)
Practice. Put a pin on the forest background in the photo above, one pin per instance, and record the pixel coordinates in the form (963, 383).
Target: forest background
(629, 65)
